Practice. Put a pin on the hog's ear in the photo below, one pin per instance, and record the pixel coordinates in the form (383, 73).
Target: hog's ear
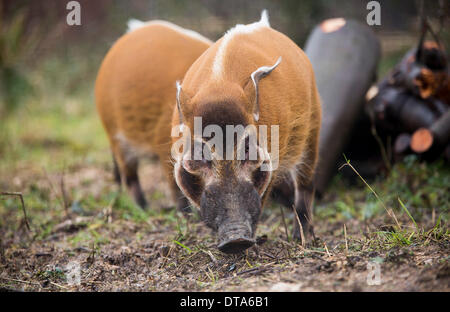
(256, 76)
(180, 111)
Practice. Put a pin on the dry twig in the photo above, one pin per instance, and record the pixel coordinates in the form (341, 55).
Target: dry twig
(302, 235)
(345, 237)
(23, 205)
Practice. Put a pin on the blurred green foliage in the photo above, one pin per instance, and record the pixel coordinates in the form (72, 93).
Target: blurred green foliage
(14, 48)
(422, 187)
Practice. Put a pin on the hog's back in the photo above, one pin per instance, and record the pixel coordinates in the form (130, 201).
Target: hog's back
(135, 88)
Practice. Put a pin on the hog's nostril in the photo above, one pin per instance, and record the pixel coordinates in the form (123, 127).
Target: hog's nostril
(236, 245)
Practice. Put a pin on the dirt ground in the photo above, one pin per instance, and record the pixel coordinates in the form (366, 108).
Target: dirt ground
(111, 248)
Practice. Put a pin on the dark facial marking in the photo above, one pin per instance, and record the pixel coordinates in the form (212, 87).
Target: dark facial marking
(191, 184)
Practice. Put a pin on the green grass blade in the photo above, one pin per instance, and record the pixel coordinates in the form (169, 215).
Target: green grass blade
(407, 212)
(182, 245)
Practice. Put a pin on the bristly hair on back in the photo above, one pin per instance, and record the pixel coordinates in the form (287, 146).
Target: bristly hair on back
(238, 29)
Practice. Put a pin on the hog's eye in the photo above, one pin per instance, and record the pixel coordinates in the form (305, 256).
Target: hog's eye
(249, 151)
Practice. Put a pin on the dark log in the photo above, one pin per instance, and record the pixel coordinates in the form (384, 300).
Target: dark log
(423, 71)
(414, 113)
(415, 93)
(399, 111)
(443, 91)
(432, 55)
(437, 105)
(344, 55)
(401, 145)
(432, 140)
(447, 153)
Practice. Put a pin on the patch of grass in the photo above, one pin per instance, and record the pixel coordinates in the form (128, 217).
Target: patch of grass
(422, 187)
(88, 237)
(45, 230)
(54, 274)
(129, 210)
(213, 277)
(386, 240)
(413, 190)
(394, 238)
(388, 210)
(389, 61)
(58, 125)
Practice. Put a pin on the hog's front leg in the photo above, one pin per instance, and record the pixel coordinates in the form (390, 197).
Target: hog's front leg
(303, 207)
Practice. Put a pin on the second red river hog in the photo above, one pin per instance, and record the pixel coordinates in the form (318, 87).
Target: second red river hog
(135, 97)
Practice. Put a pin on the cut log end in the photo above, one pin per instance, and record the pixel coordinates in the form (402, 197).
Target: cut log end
(422, 140)
(373, 91)
(332, 24)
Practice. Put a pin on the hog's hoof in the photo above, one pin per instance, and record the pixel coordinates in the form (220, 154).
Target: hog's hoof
(236, 245)
(184, 206)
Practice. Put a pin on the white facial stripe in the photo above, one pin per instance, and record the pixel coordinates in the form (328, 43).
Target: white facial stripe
(230, 34)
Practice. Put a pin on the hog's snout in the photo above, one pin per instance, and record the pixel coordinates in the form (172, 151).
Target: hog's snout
(235, 238)
(232, 210)
(236, 245)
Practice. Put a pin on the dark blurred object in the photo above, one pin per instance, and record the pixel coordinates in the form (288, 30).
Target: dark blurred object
(344, 55)
(413, 101)
(401, 145)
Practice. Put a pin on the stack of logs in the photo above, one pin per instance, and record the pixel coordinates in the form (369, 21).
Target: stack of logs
(412, 103)
(409, 107)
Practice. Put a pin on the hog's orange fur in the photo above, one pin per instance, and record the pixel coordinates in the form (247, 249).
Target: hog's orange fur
(135, 93)
(288, 97)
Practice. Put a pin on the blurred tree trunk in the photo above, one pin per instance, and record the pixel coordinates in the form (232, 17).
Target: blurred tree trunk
(344, 55)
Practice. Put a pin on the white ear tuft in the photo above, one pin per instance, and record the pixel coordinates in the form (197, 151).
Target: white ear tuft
(265, 18)
(258, 74)
(134, 24)
(180, 112)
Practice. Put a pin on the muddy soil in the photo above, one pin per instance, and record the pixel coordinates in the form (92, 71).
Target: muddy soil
(103, 251)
